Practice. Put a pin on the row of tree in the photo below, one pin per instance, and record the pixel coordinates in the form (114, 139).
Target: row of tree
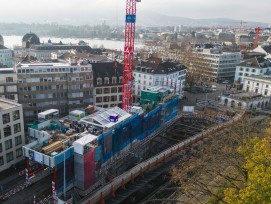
(231, 166)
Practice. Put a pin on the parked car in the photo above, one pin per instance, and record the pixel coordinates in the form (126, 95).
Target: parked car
(213, 87)
(225, 82)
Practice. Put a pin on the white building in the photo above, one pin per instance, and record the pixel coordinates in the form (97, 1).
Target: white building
(258, 84)
(5, 57)
(254, 66)
(214, 64)
(12, 133)
(154, 73)
(245, 100)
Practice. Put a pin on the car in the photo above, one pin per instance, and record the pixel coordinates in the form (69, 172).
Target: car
(225, 82)
(213, 87)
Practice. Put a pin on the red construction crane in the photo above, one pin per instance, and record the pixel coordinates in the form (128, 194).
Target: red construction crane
(257, 36)
(129, 38)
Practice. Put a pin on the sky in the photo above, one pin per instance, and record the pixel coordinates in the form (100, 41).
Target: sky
(89, 11)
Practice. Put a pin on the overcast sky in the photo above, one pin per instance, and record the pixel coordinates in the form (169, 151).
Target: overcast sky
(79, 11)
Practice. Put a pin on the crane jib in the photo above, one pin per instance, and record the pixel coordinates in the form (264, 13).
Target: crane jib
(130, 18)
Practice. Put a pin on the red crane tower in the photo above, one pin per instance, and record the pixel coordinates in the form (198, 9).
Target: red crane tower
(256, 39)
(129, 39)
(257, 36)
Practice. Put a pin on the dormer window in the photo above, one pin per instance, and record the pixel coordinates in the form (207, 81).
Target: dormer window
(99, 81)
(114, 80)
(106, 80)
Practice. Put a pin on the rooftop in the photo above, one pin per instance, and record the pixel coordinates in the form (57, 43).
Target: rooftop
(245, 95)
(256, 62)
(7, 104)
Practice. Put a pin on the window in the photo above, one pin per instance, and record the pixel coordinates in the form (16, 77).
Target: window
(16, 115)
(17, 128)
(9, 156)
(248, 82)
(114, 98)
(266, 86)
(9, 79)
(119, 89)
(114, 80)
(253, 70)
(247, 69)
(1, 161)
(18, 140)
(7, 131)
(106, 80)
(1, 148)
(8, 144)
(120, 80)
(241, 69)
(106, 90)
(6, 118)
(114, 90)
(240, 74)
(19, 152)
(106, 99)
(265, 92)
(99, 81)
(99, 91)
(99, 99)
(257, 84)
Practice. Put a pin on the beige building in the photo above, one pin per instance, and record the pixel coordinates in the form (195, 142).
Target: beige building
(63, 86)
(12, 133)
(8, 83)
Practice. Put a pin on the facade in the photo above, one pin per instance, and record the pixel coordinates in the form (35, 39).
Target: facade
(62, 86)
(256, 66)
(8, 83)
(154, 72)
(258, 84)
(5, 57)
(107, 82)
(214, 64)
(12, 133)
(245, 100)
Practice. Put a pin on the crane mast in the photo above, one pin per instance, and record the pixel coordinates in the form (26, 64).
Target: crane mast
(129, 38)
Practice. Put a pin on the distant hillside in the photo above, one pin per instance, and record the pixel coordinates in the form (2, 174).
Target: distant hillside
(156, 19)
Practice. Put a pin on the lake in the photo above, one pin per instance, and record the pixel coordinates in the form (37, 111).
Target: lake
(11, 41)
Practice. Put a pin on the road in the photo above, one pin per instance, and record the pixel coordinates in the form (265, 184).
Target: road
(192, 98)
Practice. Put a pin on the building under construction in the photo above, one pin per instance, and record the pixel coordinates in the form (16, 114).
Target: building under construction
(83, 151)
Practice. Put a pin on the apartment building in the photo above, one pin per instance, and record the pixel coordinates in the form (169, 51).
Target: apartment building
(154, 72)
(107, 82)
(214, 64)
(255, 66)
(8, 83)
(55, 85)
(12, 133)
